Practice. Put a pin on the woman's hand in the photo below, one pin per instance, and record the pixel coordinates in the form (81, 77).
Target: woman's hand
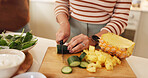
(79, 43)
(63, 33)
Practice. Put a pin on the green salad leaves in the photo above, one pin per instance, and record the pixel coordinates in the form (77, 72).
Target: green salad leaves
(19, 42)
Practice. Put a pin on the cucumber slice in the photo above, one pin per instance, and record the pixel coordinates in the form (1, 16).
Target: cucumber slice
(73, 61)
(83, 64)
(82, 56)
(66, 70)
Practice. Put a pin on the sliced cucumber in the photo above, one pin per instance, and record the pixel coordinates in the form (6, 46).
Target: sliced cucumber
(73, 61)
(59, 49)
(82, 56)
(66, 70)
(83, 64)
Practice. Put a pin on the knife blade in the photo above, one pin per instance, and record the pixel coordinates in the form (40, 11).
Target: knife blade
(61, 43)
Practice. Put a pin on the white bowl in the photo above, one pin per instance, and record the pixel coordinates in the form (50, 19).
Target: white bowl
(24, 50)
(7, 72)
(31, 75)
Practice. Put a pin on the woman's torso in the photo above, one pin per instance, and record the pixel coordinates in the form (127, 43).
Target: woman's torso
(92, 11)
(14, 14)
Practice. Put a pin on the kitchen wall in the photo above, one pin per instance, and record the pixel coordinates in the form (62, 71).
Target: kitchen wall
(43, 22)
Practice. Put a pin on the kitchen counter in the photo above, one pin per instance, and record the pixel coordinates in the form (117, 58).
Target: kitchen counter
(138, 64)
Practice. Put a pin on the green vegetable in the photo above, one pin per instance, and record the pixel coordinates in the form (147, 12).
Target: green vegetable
(15, 45)
(59, 49)
(1, 36)
(82, 56)
(83, 64)
(3, 42)
(66, 70)
(9, 37)
(26, 45)
(19, 42)
(28, 37)
(73, 61)
(1, 48)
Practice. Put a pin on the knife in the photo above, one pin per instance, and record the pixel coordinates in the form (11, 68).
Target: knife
(61, 43)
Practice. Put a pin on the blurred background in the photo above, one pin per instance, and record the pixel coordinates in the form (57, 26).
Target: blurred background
(43, 23)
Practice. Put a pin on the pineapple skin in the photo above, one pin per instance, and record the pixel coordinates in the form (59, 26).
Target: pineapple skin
(114, 50)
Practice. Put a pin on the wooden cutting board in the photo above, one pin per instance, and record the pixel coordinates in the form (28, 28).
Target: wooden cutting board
(52, 65)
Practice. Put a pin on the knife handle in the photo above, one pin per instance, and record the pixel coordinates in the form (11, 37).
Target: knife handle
(61, 42)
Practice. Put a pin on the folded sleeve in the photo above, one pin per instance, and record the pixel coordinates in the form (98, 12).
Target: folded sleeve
(61, 6)
(119, 18)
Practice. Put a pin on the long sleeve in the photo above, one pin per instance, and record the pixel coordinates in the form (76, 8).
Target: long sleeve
(62, 6)
(119, 18)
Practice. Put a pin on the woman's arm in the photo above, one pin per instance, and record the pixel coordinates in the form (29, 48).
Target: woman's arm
(62, 7)
(119, 18)
(62, 15)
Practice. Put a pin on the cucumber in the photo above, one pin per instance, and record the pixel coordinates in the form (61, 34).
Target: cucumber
(59, 49)
(66, 70)
(73, 61)
(82, 56)
(83, 64)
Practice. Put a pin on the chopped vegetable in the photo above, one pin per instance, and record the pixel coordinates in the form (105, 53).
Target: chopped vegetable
(59, 49)
(82, 56)
(73, 61)
(66, 70)
(83, 64)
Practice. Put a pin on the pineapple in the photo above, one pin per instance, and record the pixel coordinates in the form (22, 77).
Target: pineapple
(92, 58)
(102, 58)
(98, 64)
(117, 60)
(99, 59)
(91, 49)
(116, 45)
(108, 64)
(91, 67)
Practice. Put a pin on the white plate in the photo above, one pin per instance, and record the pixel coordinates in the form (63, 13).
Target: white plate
(31, 75)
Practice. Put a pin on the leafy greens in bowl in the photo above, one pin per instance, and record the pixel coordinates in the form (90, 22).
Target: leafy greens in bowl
(20, 41)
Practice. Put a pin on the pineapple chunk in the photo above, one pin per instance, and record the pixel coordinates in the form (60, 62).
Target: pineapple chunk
(91, 49)
(91, 53)
(86, 51)
(102, 58)
(98, 59)
(117, 60)
(108, 64)
(98, 64)
(97, 52)
(91, 67)
(92, 58)
(114, 61)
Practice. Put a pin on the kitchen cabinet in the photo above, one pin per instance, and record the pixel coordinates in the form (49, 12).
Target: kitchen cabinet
(141, 37)
(133, 23)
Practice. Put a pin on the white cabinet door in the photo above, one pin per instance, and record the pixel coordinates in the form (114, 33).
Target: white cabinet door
(141, 47)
